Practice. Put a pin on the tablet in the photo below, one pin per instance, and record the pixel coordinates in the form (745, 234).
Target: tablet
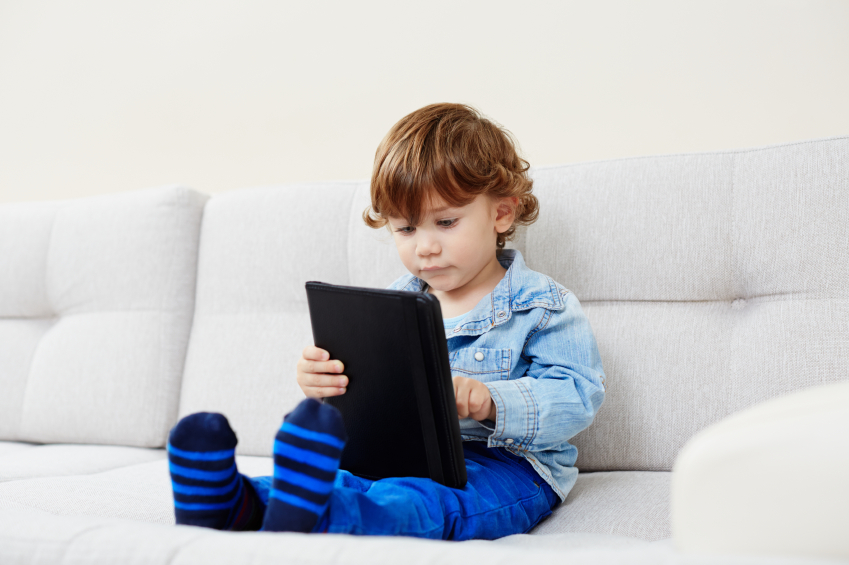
(399, 409)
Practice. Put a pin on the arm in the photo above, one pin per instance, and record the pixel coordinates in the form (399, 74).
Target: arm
(562, 389)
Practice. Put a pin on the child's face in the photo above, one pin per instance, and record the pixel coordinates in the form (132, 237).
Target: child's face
(451, 245)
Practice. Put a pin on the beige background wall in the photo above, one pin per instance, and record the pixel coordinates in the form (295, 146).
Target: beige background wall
(104, 96)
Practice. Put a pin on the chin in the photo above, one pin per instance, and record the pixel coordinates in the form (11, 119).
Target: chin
(442, 287)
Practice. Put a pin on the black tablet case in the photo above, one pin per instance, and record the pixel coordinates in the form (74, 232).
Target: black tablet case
(399, 409)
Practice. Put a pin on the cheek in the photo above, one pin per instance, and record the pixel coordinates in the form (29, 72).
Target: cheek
(406, 249)
(472, 248)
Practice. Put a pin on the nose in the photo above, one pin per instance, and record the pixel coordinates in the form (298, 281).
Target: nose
(426, 244)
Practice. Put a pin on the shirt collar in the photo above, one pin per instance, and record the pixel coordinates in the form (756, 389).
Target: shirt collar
(520, 289)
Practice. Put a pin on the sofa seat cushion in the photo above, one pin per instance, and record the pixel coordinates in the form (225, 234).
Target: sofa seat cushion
(624, 503)
(7, 447)
(26, 532)
(140, 492)
(63, 460)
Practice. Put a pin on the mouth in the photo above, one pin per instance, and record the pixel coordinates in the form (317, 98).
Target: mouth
(433, 268)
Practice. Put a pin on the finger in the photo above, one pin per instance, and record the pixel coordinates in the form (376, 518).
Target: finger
(474, 407)
(317, 367)
(324, 392)
(315, 353)
(480, 411)
(457, 399)
(332, 366)
(463, 404)
(482, 398)
(475, 399)
(319, 380)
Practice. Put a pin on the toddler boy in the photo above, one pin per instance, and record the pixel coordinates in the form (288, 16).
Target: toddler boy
(452, 189)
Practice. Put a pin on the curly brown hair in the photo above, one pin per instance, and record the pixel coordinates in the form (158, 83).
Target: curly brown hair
(452, 150)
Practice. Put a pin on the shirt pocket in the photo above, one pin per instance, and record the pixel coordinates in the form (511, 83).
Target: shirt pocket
(482, 364)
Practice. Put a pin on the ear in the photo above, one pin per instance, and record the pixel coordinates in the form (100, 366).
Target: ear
(505, 213)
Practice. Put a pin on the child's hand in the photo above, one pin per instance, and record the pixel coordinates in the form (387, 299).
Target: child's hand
(473, 399)
(318, 375)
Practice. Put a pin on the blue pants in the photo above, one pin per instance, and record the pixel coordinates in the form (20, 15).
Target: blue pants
(503, 496)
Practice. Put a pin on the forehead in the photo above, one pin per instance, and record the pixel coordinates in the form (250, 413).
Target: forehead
(435, 205)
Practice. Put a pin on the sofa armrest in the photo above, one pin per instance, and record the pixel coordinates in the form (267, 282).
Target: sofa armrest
(772, 479)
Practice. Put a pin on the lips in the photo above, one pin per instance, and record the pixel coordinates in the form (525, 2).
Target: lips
(432, 268)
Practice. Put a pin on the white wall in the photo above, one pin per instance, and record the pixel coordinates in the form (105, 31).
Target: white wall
(104, 96)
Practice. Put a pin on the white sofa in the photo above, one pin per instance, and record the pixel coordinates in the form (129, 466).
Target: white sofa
(713, 282)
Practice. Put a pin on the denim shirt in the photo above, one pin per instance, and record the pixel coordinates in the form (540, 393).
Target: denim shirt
(530, 343)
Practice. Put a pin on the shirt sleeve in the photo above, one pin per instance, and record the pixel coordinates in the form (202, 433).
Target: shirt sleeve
(562, 390)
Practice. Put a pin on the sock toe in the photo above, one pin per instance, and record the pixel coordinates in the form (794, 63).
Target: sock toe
(314, 415)
(208, 489)
(203, 431)
(307, 450)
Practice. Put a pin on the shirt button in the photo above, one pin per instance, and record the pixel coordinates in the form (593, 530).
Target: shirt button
(501, 314)
(479, 356)
(456, 330)
(508, 440)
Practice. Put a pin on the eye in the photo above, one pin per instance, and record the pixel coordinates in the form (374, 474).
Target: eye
(446, 223)
(405, 230)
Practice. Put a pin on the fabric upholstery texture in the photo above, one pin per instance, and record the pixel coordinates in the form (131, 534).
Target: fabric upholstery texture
(63, 459)
(33, 536)
(8, 447)
(634, 504)
(258, 249)
(96, 302)
(139, 492)
(712, 281)
(769, 479)
(630, 504)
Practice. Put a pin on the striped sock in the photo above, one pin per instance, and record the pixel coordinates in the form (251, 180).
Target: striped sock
(208, 489)
(306, 456)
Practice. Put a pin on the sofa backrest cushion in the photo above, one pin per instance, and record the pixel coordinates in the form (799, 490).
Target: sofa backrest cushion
(96, 300)
(258, 248)
(712, 282)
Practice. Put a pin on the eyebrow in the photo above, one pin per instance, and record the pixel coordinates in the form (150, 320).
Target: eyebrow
(434, 211)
